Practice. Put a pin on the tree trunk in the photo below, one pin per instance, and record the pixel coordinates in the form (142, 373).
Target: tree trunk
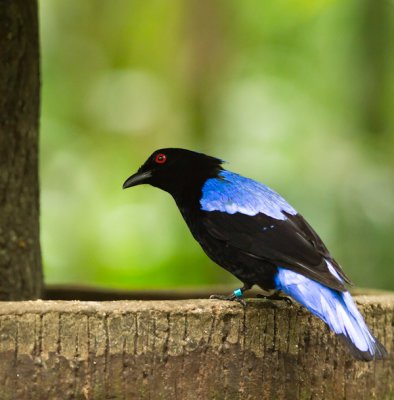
(206, 49)
(376, 47)
(190, 349)
(20, 258)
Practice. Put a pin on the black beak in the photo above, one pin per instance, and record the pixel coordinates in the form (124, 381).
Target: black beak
(137, 179)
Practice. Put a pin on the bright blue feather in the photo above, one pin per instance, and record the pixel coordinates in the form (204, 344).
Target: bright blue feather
(233, 193)
(336, 309)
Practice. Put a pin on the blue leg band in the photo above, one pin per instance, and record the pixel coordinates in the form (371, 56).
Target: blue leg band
(238, 293)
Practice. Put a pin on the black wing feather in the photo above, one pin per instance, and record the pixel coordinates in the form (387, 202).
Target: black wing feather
(291, 243)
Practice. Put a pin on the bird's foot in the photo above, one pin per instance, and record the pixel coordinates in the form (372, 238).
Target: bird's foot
(275, 296)
(237, 295)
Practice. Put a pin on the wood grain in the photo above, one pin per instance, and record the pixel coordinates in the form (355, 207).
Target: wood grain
(186, 349)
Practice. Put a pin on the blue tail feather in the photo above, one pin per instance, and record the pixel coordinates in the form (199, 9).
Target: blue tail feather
(336, 309)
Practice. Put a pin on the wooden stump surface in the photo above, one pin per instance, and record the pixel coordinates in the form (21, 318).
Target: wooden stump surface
(186, 349)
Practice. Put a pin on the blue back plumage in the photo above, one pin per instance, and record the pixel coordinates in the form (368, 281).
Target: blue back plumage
(336, 309)
(232, 193)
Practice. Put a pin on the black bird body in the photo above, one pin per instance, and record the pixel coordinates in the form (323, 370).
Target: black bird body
(248, 268)
(253, 233)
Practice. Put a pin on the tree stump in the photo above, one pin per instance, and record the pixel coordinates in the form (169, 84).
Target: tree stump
(186, 349)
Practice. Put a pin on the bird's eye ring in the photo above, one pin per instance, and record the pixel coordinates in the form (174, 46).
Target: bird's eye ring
(160, 158)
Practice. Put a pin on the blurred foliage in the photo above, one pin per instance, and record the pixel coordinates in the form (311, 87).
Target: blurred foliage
(296, 94)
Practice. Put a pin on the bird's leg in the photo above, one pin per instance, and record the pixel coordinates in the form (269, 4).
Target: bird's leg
(237, 295)
(275, 296)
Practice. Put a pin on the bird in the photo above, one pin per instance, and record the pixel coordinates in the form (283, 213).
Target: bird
(255, 234)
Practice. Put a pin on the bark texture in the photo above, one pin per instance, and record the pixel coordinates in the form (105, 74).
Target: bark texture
(20, 259)
(189, 349)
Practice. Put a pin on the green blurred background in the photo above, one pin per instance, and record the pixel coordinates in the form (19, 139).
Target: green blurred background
(296, 94)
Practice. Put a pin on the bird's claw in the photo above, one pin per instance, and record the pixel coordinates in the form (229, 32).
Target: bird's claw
(231, 297)
(275, 296)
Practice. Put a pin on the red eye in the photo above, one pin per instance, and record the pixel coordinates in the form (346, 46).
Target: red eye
(160, 158)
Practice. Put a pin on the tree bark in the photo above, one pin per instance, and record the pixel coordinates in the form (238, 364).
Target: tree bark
(20, 258)
(189, 349)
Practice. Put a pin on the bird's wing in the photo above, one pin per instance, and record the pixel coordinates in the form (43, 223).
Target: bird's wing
(256, 220)
(290, 243)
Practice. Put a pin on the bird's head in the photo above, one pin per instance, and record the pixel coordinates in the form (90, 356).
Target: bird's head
(174, 169)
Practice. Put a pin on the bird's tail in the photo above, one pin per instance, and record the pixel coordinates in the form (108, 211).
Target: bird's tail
(336, 309)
